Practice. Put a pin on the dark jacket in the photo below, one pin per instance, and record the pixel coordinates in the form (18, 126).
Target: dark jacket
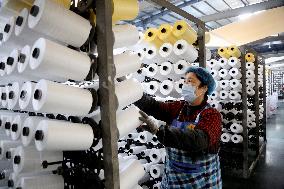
(204, 137)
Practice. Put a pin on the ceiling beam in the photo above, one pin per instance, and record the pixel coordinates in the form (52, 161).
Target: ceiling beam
(204, 14)
(266, 49)
(164, 20)
(268, 40)
(245, 3)
(276, 62)
(218, 10)
(272, 54)
(226, 4)
(247, 9)
(280, 64)
(148, 19)
(177, 18)
(277, 69)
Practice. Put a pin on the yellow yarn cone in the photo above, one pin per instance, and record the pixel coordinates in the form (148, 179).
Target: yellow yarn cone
(223, 52)
(151, 36)
(250, 57)
(166, 35)
(182, 30)
(65, 3)
(234, 51)
(122, 10)
(125, 10)
(17, 5)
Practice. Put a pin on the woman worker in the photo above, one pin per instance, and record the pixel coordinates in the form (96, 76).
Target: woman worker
(191, 136)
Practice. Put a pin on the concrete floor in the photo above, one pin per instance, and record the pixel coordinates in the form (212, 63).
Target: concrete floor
(269, 173)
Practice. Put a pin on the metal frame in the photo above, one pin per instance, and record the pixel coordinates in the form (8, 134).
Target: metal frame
(177, 10)
(201, 45)
(247, 167)
(106, 74)
(212, 7)
(249, 164)
(203, 14)
(264, 99)
(245, 173)
(260, 148)
(271, 83)
(275, 79)
(149, 19)
(265, 5)
(254, 163)
(219, 15)
(256, 99)
(107, 93)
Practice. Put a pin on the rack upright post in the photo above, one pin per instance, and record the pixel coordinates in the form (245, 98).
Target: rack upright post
(108, 105)
(244, 111)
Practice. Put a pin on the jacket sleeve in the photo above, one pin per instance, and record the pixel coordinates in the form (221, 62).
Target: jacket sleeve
(211, 123)
(191, 140)
(205, 135)
(164, 111)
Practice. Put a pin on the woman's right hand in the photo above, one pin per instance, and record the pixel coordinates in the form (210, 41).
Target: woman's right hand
(150, 125)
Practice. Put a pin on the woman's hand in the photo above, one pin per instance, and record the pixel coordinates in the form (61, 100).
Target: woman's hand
(150, 125)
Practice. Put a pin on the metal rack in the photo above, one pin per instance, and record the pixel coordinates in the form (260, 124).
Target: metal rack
(262, 62)
(269, 81)
(277, 81)
(107, 97)
(108, 105)
(259, 147)
(248, 164)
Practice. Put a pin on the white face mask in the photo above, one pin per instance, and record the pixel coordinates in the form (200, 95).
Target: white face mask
(188, 93)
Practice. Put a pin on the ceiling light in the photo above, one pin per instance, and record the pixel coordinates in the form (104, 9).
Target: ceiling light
(244, 16)
(247, 15)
